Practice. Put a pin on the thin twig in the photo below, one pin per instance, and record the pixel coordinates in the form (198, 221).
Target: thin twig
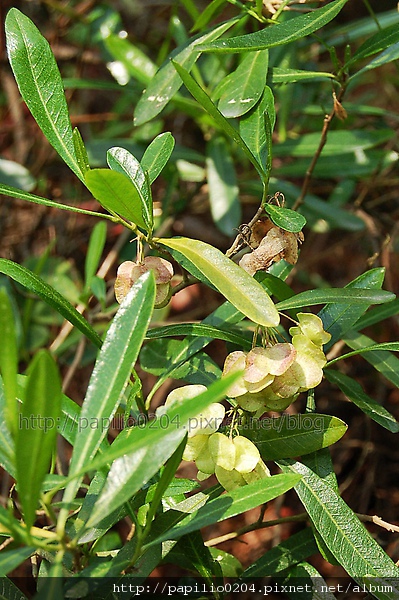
(294, 519)
(239, 243)
(323, 139)
(378, 521)
(255, 526)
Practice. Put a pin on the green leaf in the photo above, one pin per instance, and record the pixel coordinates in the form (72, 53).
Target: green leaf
(287, 219)
(167, 475)
(223, 188)
(339, 318)
(137, 64)
(338, 142)
(204, 100)
(166, 82)
(350, 165)
(344, 535)
(289, 31)
(383, 361)
(293, 435)
(80, 151)
(11, 559)
(37, 432)
(296, 548)
(355, 393)
(380, 41)
(124, 162)
(377, 314)
(392, 346)
(312, 584)
(47, 293)
(191, 553)
(16, 193)
(236, 285)
(206, 15)
(179, 352)
(199, 330)
(314, 208)
(321, 463)
(390, 54)
(96, 246)
(111, 374)
(229, 505)
(116, 193)
(230, 565)
(139, 452)
(7, 450)
(284, 75)
(245, 86)
(332, 295)
(256, 129)
(9, 361)
(15, 174)
(157, 155)
(40, 84)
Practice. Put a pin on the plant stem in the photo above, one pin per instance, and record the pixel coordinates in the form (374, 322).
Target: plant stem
(255, 526)
(323, 139)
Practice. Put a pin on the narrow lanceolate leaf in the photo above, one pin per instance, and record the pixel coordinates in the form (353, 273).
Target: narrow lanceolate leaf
(275, 35)
(141, 451)
(229, 505)
(355, 393)
(7, 190)
(204, 100)
(8, 361)
(40, 84)
(96, 246)
(294, 435)
(223, 188)
(166, 81)
(337, 143)
(53, 298)
(80, 151)
(11, 559)
(111, 373)
(157, 155)
(256, 129)
(384, 361)
(343, 533)
(235, 284)
(116, 193)
(124, 162)
(347, 295)
(279, 75)
(339, 317)
(37, 432)
(198, 330)
(382, 40)
(7, 446)
(389, 55)
(246, 86)
(312, 583)
(298, 547)
(137, 64)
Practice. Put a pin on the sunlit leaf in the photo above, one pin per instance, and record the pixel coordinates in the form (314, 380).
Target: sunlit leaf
(40, 84)
(245, 86)
(283, 33)
(356, 394)
(236, 285)
(293, 435)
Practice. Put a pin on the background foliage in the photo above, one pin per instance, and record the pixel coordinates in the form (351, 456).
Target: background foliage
(306, 108)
